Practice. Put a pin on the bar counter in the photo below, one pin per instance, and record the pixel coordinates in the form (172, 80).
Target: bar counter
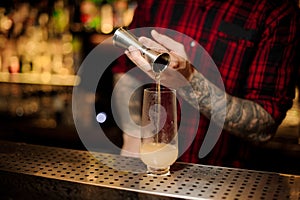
(33, 171)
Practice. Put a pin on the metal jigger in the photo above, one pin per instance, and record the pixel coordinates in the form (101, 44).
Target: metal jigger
(158, 61)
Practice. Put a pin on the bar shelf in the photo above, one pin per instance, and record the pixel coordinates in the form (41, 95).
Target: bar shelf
(40, 78)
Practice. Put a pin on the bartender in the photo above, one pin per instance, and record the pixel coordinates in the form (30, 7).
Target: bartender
(253, 45)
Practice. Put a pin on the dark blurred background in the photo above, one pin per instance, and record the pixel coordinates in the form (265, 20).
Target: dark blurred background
(42, 45)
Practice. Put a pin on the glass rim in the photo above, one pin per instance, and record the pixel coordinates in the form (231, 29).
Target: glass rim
(162, 90)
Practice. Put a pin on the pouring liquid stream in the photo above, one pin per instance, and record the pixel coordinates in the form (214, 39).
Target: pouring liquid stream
(157, 79)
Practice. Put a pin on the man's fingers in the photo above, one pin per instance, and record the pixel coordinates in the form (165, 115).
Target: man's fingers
(135, 55)
(147, 42)
(164, 40)
(169, 43)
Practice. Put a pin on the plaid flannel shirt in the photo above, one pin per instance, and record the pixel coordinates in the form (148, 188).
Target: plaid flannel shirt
(254, 46)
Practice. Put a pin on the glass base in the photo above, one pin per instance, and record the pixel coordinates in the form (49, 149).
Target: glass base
(158, 171)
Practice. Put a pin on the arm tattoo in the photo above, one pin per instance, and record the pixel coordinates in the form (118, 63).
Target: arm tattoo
(243, 118)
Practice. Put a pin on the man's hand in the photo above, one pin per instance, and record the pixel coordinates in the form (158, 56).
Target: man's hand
(179, 71)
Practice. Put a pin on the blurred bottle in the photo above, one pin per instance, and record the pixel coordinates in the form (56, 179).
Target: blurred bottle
(60, 17)
(90, 15)
(120, 7)
(107, 19)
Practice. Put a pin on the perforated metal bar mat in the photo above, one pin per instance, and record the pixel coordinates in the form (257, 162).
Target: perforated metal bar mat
(187, 181)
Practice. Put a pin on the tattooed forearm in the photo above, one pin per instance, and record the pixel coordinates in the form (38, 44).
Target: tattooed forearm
(241, 117)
